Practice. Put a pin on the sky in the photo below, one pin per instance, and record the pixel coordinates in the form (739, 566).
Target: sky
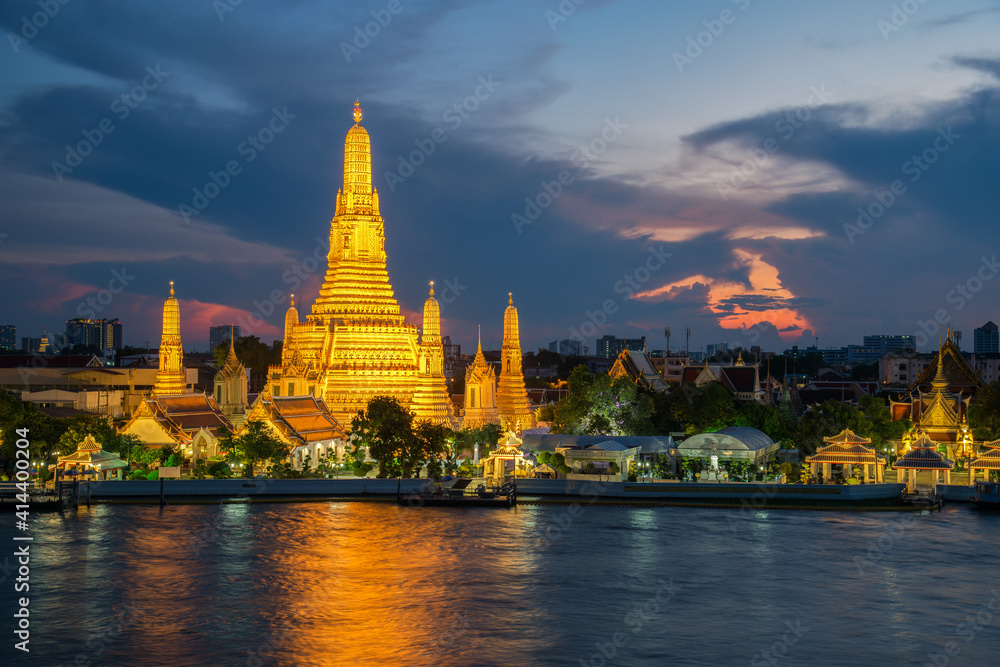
(763, 173)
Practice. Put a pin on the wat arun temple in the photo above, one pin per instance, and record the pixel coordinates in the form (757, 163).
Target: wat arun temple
(355, 344)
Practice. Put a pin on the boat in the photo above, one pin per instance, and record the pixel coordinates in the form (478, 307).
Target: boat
(459, 495)
(987, 495)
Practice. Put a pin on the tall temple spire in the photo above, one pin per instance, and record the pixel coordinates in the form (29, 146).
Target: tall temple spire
(170, 378)
(512, 396)
(355, 343)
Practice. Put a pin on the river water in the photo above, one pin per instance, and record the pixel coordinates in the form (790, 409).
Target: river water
(355, 583)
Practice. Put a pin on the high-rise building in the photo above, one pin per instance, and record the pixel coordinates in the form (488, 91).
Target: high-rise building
(986, 339)
(221, 334)
(890, 343)
(569, 347)
(355, 344)
(610, 347)
(8, 336)
(30, 345)
(105, 335)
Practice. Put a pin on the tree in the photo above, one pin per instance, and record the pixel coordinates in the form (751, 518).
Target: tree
(602, 405)
(830, 418)
(766, 418)
(700, 409)
(384, 428)
(427, 442)
(984, 412)
(254, 445)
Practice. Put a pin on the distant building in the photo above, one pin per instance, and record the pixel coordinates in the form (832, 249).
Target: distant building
(105, 335)
(219, 335)
(890, 343)
(8, 336)
(30, 345)
(986, 339)
(569, 347)
(454, 364)
(609, 347)
(714, 348)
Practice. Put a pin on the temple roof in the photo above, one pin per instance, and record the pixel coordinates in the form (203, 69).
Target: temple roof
(956, 370)
(183, 415)
(639, 368)
(987, 460)
(847, 437)
(846, 448)
(299, 418)
(89, 452)
(923, 455)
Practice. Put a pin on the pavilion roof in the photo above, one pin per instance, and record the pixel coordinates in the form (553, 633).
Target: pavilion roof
(89, 453)
(992, 444)
(847, 437)
(988, 460)
(846, 453)
(923, 458)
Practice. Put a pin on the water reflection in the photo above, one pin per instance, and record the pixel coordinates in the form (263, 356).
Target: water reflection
(372, 583)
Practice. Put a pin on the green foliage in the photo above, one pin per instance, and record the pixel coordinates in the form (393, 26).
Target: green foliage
(385, 429)
(766, 418)
(984, 412)
(546, 413)
(153, 475)
(697, 409)
(427, 442)
(600, 405)
(544, 457)
(830, 418)
(219, 470)
(255, 445)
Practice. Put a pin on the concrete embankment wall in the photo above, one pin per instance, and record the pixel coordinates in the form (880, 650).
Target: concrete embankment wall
(709, 492)
(249, 488)
(957, 493)
(273, 489)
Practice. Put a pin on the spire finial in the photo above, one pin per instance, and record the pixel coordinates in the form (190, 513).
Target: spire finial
(432, 288)
(480, 344)
(293, 302)
(510, 299)
(171, 288)
(357, 110)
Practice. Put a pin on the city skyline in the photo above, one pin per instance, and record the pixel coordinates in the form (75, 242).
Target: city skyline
(604, 185)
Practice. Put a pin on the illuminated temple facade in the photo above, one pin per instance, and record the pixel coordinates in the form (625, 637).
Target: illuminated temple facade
(937, 403)
(355, 344)
(170, 378)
